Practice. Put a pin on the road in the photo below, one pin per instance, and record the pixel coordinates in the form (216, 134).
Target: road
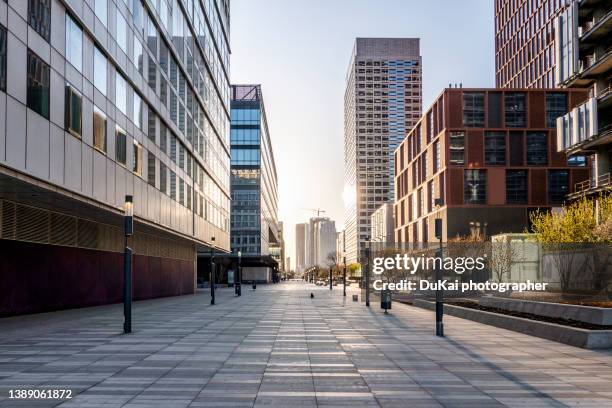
(277, 347)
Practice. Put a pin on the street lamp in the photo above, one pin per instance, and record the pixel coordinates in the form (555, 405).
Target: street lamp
(212, 270)
(330, 277)
(367, 271)
(238, 278)
(344, 275)
(128, 228)
(439, 202)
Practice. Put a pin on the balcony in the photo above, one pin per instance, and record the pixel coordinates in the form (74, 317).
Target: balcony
(578, 128)
(596, 29)
(601, 183)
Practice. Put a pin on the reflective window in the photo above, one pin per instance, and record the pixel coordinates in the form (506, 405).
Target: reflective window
(151, 169)
(163, 178)
(138, 16)
(73, 109)
(121, 146)
(473, 109)
(537, 148)
(38, 85)
(495, 148)
(121, 93)
(556, 105)
(99, 130)
(516, 115)
(516, 187)
(457, 147)
(137, 111)
(101, 10)
(138, 55)
(122, 28)
(137, 159)
(39, 17)
(74, 43)
(2, 58)
(475, 186)
(558, 186)
(100, 70)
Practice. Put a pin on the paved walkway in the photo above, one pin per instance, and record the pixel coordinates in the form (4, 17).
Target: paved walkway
(278, 347)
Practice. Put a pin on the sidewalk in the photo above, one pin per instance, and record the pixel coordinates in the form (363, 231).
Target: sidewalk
(278, 347)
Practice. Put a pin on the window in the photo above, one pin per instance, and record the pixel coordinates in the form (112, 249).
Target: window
(436, 157)
(74, 107)
(172, 185)
(2, 59)
(577, 161)
(537, 149)
(99, 130)
(556, 105)
(137, 162)
(163, 178)
(138, 15)
(457, 147)
(138, 55)
(473, 109)
(39, 17)
(121, 146)
(152, 36)
(152, 124)
(495, 148)
(515, 109)
(122, 28)
(516, 186)
(151, 169)
(558, 186)
(101, 10)
(181, 191)
(74, 43)
(475, 186)
(38, 85)
(121, 94)
(100, 70)
(137, 111)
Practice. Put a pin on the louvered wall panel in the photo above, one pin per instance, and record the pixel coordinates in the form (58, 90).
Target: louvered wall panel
(32, 224)
(63, 230)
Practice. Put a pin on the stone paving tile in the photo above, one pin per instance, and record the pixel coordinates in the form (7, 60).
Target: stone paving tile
(277, 347)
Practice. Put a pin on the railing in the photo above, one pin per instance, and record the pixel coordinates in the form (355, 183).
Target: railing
(605, 92)
(603, 180)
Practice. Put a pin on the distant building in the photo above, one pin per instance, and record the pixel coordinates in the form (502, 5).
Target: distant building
(288, 264)
(584, 60)
(301, 232)
(491, 154)
(382, 103)
(277, 249)
(340, 248)
(382, 224)
(323, 240)
(525, 42)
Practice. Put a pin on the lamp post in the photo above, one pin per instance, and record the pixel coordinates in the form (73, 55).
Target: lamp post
(367, 272)
(238, 278)
(212, 270)
(330, 277)
(344, 276)
(128, 227)
(439, 202)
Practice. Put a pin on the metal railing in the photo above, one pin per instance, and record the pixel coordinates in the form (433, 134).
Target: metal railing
(603, 180)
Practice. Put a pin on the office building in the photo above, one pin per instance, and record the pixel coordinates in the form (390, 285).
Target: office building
(525, 42)
(323, 240)
(277, 249)
(491, 155)
(254, 183)
(98, 101)
(584, 60)
(382, 102)
(383, 224)
(301, 235)
(340, 246)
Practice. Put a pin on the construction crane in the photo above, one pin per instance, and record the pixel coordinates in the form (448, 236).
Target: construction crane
(317, 210)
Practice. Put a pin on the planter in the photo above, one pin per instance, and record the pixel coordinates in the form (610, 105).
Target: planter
(589, 339)
(588, 314)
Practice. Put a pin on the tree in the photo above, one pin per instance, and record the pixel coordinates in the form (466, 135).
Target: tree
(503, 255)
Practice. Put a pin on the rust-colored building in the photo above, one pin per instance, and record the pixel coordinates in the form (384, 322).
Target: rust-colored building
(492, 154)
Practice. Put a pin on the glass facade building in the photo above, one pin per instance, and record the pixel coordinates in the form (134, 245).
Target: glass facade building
(254, 184)
(108, 98)
(382, 102)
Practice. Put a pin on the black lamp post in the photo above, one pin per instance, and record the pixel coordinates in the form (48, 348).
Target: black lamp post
(212, 270)
(367, 272)
(128, 227)
(439, 202)
(238, 277)
(344, 275)
(330, 277)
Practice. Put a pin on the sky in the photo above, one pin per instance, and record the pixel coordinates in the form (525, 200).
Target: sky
(299, 51)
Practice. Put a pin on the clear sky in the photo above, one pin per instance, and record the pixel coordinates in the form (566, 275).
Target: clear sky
(299, 51)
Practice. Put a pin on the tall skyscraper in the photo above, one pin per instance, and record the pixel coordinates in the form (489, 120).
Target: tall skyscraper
(323, 240)
(104, 100)
(254, 182)
(383, 100)
(525, 42)
(301, 232)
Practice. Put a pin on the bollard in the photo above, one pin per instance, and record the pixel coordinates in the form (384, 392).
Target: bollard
(355, 298)
(385, 300)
